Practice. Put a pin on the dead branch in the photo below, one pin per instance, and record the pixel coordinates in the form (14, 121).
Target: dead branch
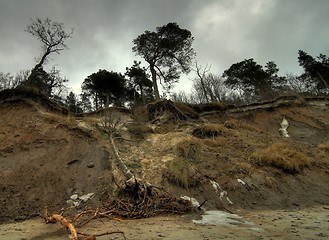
(54, 218)
(73, 233)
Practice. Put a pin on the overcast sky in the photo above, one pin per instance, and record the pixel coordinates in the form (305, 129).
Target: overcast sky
(225, 32)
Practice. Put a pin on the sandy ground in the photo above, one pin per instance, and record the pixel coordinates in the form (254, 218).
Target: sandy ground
(310, 223)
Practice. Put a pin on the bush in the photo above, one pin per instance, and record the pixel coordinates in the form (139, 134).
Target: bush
(278, 155)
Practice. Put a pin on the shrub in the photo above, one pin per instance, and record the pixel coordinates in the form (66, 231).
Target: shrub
(280, 156)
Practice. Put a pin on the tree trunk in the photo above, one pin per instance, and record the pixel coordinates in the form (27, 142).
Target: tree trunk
(121, 165)
(204, 89)
(43, 58)
(142, 94)
(323, 81)
(107, 104)
(96, 101)
(155, 85)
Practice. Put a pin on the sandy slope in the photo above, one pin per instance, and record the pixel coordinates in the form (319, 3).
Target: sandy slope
(46, 157)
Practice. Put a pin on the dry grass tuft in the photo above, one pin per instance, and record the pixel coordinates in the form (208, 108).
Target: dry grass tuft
(325, 146)
(189, 148)
(215, 142)
(210, 130)
(237, 124)
(279, 155)
(241, 168)
(182, 173)
(139, 130)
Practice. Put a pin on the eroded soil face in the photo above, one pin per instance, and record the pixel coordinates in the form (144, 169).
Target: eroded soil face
(43, 162)
(47, 157)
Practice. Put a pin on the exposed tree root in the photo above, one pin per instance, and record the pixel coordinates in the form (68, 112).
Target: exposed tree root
(140, 199)
(163, 111)
(73, 233)
(137, 199)
(145, 202)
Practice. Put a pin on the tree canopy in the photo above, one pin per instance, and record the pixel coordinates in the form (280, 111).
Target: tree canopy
(139, 83)
(168, 51)
(250, 76)
(315, 69)
(106, 87)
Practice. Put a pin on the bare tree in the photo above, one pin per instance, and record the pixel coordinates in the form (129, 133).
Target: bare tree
(216, 88)
(212, 86)
(201, 73)
(56, 84)
(53, 37)
(8, 81)
(181, 96)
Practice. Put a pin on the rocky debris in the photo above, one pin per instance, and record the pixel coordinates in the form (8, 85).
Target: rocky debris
(283, 128)
(75, 200)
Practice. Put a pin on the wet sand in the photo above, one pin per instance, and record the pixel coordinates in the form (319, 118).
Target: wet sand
(307, 223)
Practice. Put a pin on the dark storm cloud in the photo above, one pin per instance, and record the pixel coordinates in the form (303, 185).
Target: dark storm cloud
(225, 32)
(264, 30)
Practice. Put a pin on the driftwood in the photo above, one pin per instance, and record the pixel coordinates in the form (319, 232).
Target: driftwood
(71, 228)
(54, 218)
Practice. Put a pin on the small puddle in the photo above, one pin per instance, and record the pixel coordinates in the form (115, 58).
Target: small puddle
(222, 218)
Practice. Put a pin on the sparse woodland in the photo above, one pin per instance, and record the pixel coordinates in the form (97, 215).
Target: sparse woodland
(167, 143)
(168, 51)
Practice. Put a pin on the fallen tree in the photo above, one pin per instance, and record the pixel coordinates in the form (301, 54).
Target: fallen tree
(138, 199)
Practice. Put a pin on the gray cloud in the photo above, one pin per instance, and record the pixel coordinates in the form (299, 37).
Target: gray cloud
(225, 32)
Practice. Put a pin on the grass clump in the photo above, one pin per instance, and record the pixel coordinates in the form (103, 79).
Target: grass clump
(182, 173)
(189, 148)
(210, 130)
(280, 156)
(238, 124)
(215, 142)
(325, 146)
(139, 130)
